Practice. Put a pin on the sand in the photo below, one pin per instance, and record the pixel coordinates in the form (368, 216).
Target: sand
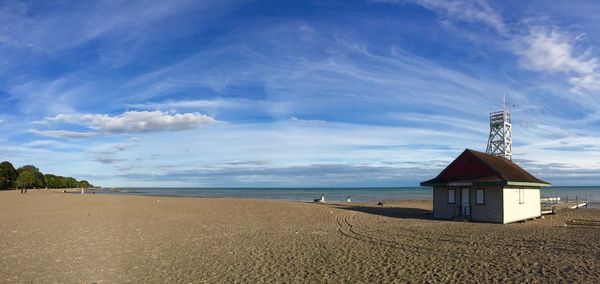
(56, 237)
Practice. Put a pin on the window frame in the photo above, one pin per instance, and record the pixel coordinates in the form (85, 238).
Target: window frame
(521, 196)
(453, 190)
(477, 196)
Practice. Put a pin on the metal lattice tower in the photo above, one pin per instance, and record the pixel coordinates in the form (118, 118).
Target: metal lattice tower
(500, 140)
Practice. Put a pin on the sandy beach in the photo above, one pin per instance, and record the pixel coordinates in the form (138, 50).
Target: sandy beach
(48, 236)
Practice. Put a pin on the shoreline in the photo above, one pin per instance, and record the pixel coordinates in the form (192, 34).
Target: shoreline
(100, 192)
(595, 204)
(138, 191)
(308, 200)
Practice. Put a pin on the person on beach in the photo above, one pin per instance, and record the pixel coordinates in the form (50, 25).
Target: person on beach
(348, 199)
(322, 199)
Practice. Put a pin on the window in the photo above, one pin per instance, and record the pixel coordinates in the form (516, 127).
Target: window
(480, 194)
(451, 196)
(521, 195)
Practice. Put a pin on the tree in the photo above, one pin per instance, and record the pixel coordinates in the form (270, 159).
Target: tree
(30, 168)
(26, 180)
(85, 184)
(8, 175)
(71, 182)
(40, 181)
(53, 181)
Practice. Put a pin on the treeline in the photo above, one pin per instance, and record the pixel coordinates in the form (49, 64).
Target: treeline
(30, 177)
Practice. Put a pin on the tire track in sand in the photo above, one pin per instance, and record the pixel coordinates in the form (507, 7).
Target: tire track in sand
(347, 229)
(565, 247)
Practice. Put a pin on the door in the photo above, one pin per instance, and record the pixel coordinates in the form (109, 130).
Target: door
(465, 201)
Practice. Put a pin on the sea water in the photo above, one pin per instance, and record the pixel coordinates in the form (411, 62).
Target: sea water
(588, 194)
(292, 194)
(371, 194)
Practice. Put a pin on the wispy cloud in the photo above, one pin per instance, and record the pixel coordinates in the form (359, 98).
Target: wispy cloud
(53, 29)
(106, 159)
(46, 97)
(62, 133)
(469, 11)
(193, 104)
(544, 48)
(107, 154)
(48, 143)
(245, 163)
(346, 75)
(306, 175)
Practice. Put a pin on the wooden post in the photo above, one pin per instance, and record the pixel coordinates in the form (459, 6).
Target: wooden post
(576, 202)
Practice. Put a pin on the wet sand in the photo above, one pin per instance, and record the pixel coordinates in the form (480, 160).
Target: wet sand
(56, 237)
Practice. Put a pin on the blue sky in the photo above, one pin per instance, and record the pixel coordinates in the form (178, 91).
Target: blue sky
(295, 93)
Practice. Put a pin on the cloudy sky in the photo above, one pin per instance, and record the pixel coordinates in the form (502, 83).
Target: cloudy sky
(295, 93)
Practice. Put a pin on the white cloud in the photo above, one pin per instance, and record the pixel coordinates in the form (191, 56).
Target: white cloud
(40, 122)
(145, 121)
(137, 121)
(549, 50)
(295, 118)
(60, 118)
(589, 82)
(62, 133)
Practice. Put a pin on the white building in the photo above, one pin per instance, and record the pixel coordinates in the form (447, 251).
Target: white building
(481, 187)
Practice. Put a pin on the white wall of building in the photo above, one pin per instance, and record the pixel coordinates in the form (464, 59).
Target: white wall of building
(516, 211)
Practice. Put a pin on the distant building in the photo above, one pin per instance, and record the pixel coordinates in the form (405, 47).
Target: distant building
(482, 187)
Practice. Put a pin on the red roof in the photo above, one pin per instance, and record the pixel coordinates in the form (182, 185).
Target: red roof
(477, 167)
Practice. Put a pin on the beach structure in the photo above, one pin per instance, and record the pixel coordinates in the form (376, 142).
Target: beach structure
(488, 188)
(500, 138)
